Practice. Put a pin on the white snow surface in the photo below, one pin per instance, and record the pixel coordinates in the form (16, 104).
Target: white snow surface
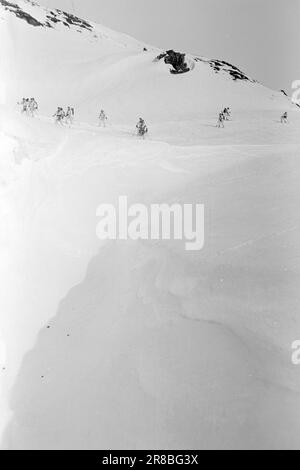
(137, 345)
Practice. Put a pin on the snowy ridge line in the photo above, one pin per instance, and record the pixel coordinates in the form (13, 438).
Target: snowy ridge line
(223, 66)
(42, 17)
(37, 16)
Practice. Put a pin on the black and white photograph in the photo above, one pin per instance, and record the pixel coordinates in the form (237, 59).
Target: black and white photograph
(149, 227)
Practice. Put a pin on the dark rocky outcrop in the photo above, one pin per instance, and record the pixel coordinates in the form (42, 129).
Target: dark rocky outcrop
(14, 8)
(223, 66)
(176, 59)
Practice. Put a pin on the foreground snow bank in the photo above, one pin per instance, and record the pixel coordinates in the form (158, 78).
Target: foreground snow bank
(124, 366)
(154, 347)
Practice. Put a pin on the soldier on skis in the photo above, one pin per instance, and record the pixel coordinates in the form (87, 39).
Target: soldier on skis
(102, 118)
(69, 117)
(25, 103)
(59, 116)
(221, 120)
(142, 129)
(33, 107)
(226, 114)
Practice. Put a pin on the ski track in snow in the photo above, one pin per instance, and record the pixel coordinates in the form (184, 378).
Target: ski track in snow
(263, 237)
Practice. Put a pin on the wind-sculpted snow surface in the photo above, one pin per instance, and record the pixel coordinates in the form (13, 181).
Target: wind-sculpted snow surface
(142, 344)
(154, 347)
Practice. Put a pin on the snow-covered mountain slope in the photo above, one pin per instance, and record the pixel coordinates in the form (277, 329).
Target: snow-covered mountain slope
(35, 15)
(111, 70)
(141, 344)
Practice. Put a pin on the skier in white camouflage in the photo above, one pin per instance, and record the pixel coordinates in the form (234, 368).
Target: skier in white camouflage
(142, 129)
(102, 118)
(59, 116)
(69, 118)
(221, 120)
(33, 107)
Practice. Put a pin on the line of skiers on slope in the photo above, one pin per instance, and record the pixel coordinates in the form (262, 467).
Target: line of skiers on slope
(61, 117)
(64, 117)
(29, 106)
(225, 115)
(141, 126)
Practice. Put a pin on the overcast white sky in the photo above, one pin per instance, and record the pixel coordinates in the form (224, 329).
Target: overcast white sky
(260, 36)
